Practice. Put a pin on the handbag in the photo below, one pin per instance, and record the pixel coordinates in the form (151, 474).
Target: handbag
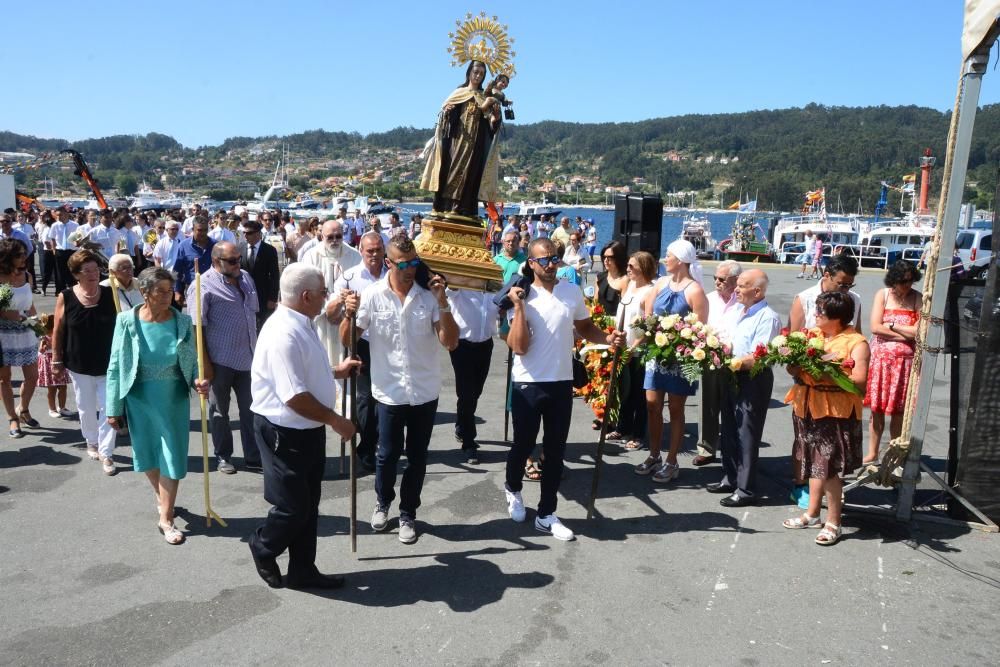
(580, 378)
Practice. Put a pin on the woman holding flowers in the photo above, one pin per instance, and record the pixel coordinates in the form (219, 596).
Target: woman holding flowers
(680, 293)
(18, 341)
(827, 418)
(641, 270)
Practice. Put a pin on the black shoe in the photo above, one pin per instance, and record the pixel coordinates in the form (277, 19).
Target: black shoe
(315, 580)
(700, 460)
(737, 501)
(252, 467)
(719, 487)
(268, 570)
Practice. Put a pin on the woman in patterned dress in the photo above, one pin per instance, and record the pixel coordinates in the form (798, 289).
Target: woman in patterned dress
(894, 318)
(18, 342)
(826, 419)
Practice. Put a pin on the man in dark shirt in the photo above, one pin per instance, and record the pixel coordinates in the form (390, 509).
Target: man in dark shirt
(198, 247)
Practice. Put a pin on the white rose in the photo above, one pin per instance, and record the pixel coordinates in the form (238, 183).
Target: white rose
(686, 332)
(712, 341)
(779, 341)
(660, 339)
(698, 354)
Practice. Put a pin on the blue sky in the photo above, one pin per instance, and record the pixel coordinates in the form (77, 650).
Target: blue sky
(204, 71)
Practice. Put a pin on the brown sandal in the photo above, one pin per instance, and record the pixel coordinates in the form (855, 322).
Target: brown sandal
(532, 471)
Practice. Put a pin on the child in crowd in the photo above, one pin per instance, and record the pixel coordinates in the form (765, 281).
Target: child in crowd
(54, 381)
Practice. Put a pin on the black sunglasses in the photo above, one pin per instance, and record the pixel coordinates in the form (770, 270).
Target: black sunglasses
(545, 261)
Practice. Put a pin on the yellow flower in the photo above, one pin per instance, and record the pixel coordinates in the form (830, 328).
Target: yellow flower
(712, 341)
(797, 335)
(698, 354)
(660, 339)
(779, 341)
(735, 364)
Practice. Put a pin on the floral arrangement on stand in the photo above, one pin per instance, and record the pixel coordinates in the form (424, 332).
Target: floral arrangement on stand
(685, 342)
(597, 361)
(804, 348)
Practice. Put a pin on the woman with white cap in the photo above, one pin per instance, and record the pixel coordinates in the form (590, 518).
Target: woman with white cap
(678, 293)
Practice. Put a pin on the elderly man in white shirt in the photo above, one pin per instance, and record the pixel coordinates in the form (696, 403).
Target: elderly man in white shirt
(165, 252)
(407, 324)
(332, 257)
(293, 393)
(476, 316)
(722, 304)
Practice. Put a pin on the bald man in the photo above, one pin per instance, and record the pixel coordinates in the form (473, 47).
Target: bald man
(745, 403)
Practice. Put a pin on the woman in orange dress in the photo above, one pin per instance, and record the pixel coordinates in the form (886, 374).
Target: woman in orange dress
(827, 419)
(894, 318)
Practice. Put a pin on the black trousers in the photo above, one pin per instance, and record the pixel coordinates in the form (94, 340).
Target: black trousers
(418, 422)
(549, 404)
(64, 279)
(367, 419)
(744, 410)
(632, 413)
(224, 382)
(47, 262)
(471, 362)
(293, 461)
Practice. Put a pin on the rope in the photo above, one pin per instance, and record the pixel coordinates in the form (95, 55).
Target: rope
(899, 448)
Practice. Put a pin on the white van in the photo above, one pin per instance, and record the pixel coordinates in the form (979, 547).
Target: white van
(975, 247)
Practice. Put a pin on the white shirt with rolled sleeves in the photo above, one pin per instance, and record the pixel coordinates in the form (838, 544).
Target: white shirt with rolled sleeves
(474, 313)
(550, 320)
(406, 369)
(357, 278)
(289, 360)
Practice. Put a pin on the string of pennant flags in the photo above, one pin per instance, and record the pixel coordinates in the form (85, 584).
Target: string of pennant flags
(30, 165)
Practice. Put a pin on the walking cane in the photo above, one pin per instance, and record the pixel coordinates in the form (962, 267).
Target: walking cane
(343, 412)
(506, 397)
(200, 342)
(609, 399)
(354, 440)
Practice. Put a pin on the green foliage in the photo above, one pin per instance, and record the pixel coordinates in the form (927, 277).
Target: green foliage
(126, 184)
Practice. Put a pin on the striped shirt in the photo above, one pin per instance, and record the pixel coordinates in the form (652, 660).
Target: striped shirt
(229, 315)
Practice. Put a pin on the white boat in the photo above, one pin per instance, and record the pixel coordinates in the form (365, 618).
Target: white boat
(145, 199)
(536, 211)
(884, 243)
(697, 230)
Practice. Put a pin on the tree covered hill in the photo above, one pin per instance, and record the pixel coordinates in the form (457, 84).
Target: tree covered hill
(778, 154)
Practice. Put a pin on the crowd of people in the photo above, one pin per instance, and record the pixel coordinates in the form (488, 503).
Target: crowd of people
(346, 301)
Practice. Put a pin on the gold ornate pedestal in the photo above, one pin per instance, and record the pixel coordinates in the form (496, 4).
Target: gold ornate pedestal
(452, 245)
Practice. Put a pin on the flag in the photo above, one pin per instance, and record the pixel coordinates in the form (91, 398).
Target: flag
(491, 211)
(735, 205)
(749, 207)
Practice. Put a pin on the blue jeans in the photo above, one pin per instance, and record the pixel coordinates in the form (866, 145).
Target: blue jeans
(533, 404)
(418, 422)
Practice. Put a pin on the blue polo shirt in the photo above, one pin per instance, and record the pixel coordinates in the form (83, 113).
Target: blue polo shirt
(187, 253)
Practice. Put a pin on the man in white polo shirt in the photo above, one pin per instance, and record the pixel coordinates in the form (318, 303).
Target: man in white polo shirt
(407, 325)
(293, 397)
(541, 336)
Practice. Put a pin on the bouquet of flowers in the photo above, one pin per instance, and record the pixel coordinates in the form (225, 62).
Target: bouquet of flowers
(597, 361)
(685, 342)
(34, 324)
(803, 348)
(6, 294)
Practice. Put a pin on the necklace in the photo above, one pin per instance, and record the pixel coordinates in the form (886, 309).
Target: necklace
(90, 297)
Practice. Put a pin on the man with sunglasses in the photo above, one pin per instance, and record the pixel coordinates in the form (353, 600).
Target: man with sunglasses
(542, 324)
(229, 318)
(838, 276)
(407, 324)
(260, 260)
(332, 257)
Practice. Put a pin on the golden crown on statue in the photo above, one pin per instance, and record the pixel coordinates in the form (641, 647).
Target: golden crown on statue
(484, 39)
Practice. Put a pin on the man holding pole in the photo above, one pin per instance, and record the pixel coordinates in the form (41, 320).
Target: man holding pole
(229, 317)
(407, 324)
(542, 323)
(293, 394)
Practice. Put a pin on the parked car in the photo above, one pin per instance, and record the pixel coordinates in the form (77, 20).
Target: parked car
(975, 247)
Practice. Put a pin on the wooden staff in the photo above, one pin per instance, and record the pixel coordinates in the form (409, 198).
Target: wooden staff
(354, 439)
(609, 399)
(200, 342)
(114, 291)
(343, 412)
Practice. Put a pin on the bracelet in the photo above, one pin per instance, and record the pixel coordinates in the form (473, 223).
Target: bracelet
(892, 326)
(57, 363)
(444, 309)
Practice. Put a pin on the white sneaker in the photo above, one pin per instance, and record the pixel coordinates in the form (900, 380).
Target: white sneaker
(55, 414)
(554, 527)
(380, 518)
(515, 506)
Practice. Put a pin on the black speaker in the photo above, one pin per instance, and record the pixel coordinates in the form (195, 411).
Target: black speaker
(639, 222)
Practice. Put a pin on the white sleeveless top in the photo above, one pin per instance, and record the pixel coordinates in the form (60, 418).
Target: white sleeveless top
(807, 299)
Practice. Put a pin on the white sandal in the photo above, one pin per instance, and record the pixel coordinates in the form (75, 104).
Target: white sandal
(829, 536)
(170, 533)
(802, 521)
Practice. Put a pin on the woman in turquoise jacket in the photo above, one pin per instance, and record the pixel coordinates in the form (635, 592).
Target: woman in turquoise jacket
(153, 365)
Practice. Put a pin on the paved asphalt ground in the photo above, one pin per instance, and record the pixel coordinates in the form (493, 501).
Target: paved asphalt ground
(663, 575)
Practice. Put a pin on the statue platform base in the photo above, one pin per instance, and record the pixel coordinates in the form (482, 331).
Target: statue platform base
(453, 246)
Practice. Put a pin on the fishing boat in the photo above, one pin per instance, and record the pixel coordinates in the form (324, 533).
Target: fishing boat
(697, 230)
(836, 230)
(536, 211)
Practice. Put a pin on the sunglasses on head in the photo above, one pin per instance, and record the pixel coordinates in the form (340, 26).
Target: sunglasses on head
(403, 266)
(545, 261)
